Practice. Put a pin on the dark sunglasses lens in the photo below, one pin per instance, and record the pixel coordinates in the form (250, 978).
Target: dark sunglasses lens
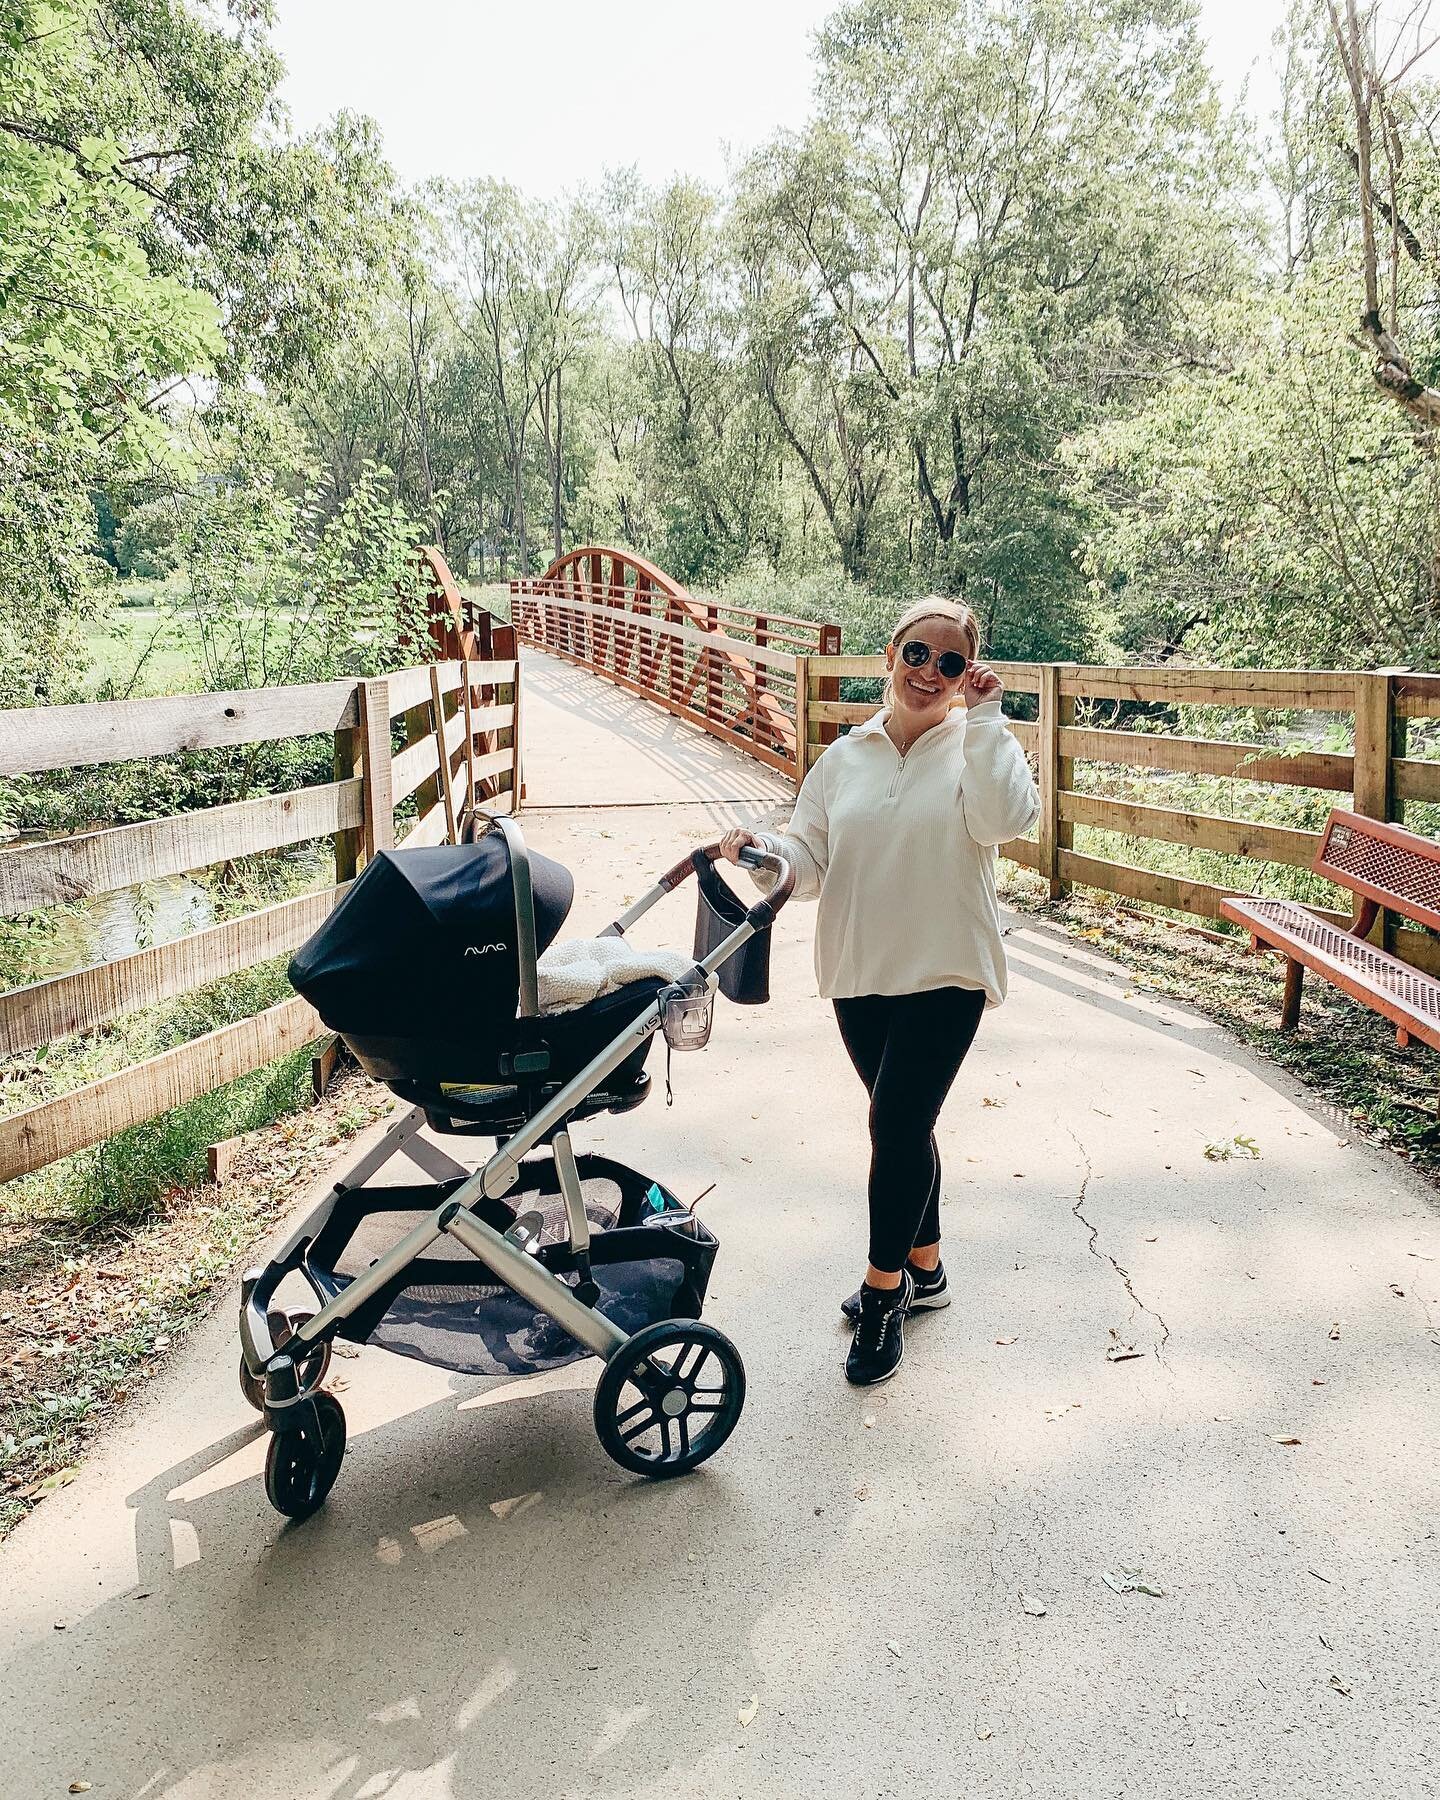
(951, 663)
(915, 653)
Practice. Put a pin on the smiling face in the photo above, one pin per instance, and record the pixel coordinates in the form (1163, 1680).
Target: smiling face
(923, 696)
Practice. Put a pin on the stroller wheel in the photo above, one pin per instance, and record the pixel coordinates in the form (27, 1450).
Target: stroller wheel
(669, 1397)
(312, 1370)
(302, 1463)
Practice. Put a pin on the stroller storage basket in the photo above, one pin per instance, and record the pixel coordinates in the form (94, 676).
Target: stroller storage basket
(649, 1258)
(744, 976)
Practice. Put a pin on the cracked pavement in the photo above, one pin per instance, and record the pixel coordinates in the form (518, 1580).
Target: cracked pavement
(489, 1606)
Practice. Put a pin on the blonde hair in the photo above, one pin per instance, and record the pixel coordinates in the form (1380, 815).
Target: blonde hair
(933, 606)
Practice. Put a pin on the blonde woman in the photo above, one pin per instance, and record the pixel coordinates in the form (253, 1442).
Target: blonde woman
(894, 832)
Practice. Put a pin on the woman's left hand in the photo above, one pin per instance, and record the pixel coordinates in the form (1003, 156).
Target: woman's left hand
(981, 683)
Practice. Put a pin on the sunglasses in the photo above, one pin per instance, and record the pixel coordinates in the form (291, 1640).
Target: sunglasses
(915, 654)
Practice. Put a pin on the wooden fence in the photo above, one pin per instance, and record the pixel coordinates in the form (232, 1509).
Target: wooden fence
(1376, 779)
(728, 669)
(461, 722)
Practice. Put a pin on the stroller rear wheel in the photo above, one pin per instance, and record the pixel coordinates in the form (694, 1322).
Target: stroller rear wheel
(669, 1397)
(303, 1461)
(313, 1366)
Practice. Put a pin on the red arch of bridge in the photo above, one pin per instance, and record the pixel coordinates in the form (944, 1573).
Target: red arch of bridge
(737, 673)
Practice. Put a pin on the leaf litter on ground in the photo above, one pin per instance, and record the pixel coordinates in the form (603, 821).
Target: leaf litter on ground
(1132, 1581)
(1035, 1608)
(1226, 1148)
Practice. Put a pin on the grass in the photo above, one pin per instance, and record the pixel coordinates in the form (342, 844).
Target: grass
(140, 650)
(91, 1301)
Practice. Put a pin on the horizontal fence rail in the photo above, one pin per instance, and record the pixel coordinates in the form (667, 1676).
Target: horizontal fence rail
(461, 724)
(1377, 775)
(730, 670)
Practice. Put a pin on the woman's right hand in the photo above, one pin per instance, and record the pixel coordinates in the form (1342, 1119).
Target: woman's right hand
(734, 842)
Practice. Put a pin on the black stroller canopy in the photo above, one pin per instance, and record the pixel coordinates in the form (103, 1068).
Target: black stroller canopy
(424, 943)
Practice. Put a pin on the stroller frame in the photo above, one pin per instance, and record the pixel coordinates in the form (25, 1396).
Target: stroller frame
(283, 1379)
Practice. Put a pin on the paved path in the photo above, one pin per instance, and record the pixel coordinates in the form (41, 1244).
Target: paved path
(489, 1607)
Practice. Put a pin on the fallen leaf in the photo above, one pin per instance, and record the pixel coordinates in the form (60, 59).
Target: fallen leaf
(893, 1647)
(61, 1478)
(1224, 1418)
(1317, 1381)
(1122, 1353)
(1003, 1341)
(1397, 1290)
(988, 1101)
(79, 1787)
(746, 1714)
(1287, 1440)
(1155, 1240)
(982, 1732)
(1340, 1687)
(1035, 1608)
(1335, 1332)
(1112, 1582)
(869, 1421)
(1182, 1710)
(862, 1492)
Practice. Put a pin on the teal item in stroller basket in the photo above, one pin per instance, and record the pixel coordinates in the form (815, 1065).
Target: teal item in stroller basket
(427, 970)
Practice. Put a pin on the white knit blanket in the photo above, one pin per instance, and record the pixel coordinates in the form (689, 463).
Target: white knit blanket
(573, 974)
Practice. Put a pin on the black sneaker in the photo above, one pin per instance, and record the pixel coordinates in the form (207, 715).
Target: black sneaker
(879, 1340)
(932, 1291)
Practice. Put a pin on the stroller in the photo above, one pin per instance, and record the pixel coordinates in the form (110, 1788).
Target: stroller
(427, 970)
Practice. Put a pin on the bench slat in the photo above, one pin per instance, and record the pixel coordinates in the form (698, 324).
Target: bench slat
(1407, 997)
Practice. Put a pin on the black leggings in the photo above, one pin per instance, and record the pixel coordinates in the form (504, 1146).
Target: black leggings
(907, 1049)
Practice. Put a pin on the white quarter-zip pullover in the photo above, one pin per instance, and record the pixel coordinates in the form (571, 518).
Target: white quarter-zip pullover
(900, 852)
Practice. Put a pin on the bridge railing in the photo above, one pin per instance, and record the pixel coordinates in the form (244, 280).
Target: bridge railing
(460, 724)
(730, 670)
(1376, 778)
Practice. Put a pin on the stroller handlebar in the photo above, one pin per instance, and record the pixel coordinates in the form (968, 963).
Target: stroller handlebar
(751, 858)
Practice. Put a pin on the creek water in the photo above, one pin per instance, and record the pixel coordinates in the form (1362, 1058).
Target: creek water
(134, 918)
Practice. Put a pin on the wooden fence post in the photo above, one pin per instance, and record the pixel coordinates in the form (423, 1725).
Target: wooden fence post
(517, 763)
(379, 826)
(1047, 751)
(1373, 795)
(347, 843)
(1064, 777)
(1374, 721)
(828, 687)
(438, 717)
(1057, 776)
(802, 715)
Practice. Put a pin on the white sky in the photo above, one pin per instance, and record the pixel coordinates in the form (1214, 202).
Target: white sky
(548, 93)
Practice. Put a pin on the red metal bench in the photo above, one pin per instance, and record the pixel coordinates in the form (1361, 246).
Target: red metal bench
(1384, 866)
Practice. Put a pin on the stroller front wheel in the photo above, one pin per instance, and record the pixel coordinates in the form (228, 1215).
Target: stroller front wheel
(303, 1460)
(669, 1397)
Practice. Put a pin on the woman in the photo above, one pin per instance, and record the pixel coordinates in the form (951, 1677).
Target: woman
(894, 832)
